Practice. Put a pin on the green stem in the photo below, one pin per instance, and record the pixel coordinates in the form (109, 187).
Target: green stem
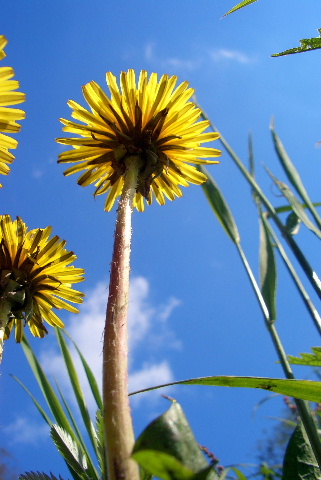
(296, 279)
(119, 433)
(302, 406)
(310, 273)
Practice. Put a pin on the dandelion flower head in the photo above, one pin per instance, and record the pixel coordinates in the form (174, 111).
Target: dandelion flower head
(36, 276)
(154, 121)
(8, 116)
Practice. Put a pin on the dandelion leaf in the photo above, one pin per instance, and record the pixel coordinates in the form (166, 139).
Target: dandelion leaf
(309, 359)
(299, 461)
(38, 476)
(69, 450)
(168, 449)
(307, 44)
(268, 270)
(240, 5)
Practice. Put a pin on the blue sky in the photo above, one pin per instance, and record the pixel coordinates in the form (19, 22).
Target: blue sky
(192, 309)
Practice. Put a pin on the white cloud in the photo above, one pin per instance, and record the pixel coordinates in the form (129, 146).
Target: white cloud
(233, 55)
(23, 430)
(148, 329)
(37, 173)
(150, 375)
(149, 51)
(171, 62)
(197, 61)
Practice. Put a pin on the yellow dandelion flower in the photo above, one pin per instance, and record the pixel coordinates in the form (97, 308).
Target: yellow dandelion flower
(35, 277)
(8, 116)
(153, 120)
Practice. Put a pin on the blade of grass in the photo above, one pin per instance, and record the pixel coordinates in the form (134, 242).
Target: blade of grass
(296, 279)
(74, 379)
(302, 406)
(220, 206)
(90, 376)
(293, 174)
(52, 399)
(46, 388)
(308, 270)
(295, 204)
(268, 270)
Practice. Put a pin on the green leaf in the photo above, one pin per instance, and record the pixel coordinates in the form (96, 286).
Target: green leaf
(268, 270)
(38, 406)
(304, 389)
(165, 466)
(293, 174)
(37, 476)
(307, 44)
(90, 376)
(47, 390)
(295, 204)
(167, 448)
(299, 461)
(70, 451)
(309, 359)
(73, 376)
(240, 5)
(239, 475)
(53, 401)
(292, 223)
(287, 208)
(101, 444)
(220, 206)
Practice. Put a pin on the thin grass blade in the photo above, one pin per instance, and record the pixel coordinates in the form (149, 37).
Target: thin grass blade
(90, 376)
(302, 389)
(46, 388)
(70, 451)
(268, 269)
(78, 433)
(293, 174)
(240, 5)
(220, 206)
(74, 379)
(37, 404)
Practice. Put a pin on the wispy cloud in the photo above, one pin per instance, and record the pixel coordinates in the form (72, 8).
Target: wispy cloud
(220, 54)
(150, 375)
(194, 62)
(149, 51)
(37, 173)
(173, 62)
(148, 331)
(147, 327)
(23, 430)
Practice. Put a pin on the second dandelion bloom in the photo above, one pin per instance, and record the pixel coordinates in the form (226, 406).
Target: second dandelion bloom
(36, 276)
(8, 115)
(150, 119)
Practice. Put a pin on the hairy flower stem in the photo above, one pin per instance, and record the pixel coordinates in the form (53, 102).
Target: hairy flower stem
(119, 433)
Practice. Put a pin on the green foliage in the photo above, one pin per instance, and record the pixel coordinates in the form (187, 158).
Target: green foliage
(299, 460)
(304, 389)
(268, 269)
(67, 433)
(309, 359)
(168, 449)
(70, 451)
(307, 44)
(240, 5)
(38, 476)
(220, 206)
(239, 475)
(296, 205)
